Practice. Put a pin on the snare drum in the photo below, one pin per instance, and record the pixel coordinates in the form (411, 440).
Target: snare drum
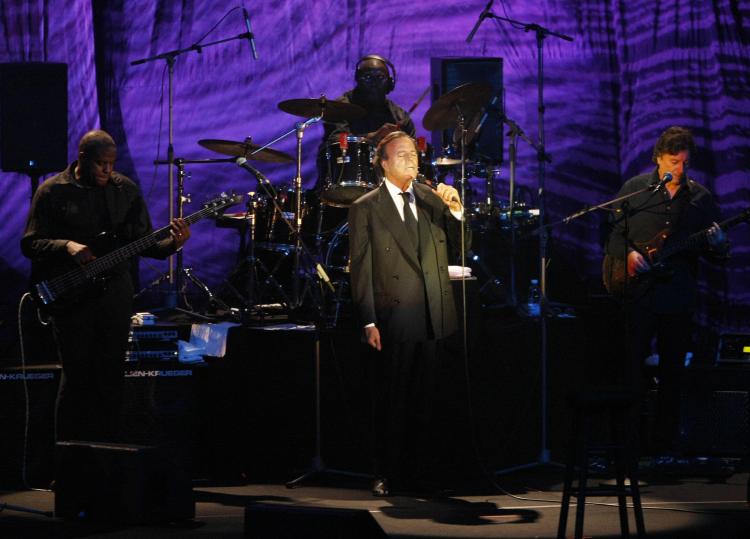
(349, 171)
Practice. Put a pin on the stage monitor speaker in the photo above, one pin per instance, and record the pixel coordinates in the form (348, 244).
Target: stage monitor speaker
(119, 483)
(276, 521)
(449, 73)
(33, 117)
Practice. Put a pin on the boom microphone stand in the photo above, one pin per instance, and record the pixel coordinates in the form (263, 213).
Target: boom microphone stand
(174, 275)
(542, 159)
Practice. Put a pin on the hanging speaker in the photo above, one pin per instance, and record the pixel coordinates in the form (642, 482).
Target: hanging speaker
(33, 117)
(449, 73)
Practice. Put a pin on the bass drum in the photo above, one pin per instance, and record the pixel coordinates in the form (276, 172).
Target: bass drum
(337, 254)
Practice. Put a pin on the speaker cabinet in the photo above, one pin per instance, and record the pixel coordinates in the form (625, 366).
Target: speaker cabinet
(272, 521)
(28, 451)
(449, 73)
(33, 117)
(120, 483)
(715, 411)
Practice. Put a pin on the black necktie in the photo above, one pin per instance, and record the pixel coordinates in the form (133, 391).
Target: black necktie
(409, 220)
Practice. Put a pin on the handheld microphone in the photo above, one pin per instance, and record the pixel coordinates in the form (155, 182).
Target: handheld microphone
(420, 178)
(664, 181)
(251, 37)
(482, 16)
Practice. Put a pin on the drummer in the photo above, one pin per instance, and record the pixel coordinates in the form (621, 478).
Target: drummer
(376, 78)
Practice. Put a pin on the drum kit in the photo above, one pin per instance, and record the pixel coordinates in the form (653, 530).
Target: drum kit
(289, 237)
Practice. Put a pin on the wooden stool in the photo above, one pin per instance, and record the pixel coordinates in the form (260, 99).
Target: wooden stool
(617, 407)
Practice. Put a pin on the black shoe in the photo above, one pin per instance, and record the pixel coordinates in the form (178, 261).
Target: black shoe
(380, 487)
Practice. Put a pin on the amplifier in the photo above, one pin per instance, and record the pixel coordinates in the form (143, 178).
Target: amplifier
(153, 342)
(734, 348)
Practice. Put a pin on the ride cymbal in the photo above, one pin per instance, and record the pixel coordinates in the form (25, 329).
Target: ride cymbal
(245, 149)
(467, 98)
(332, 111)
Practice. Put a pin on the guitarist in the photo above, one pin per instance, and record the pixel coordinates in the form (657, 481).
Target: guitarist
(68, 212)
(664, 305)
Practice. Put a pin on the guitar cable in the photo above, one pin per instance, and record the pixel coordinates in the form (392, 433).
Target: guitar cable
(25, 382)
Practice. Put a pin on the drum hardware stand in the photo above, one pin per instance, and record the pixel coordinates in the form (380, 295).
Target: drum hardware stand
(170, 57)
(180, 272)
(514, 133)
(542, 158)
(254, 294)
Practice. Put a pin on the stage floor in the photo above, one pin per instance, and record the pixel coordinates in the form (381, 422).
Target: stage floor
(674, 507)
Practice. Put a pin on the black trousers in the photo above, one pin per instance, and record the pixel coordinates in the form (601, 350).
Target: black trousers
(404, 378)
(673, 334)
(92, 338)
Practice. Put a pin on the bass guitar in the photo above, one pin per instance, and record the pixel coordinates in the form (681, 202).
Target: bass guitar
(73, 282)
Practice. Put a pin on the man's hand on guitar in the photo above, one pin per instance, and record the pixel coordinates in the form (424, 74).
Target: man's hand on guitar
(79, 252)
(637, 264)
(180, 232)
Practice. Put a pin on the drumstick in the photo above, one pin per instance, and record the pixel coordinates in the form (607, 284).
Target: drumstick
(418, 101)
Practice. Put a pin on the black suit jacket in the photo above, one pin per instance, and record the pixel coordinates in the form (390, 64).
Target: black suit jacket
(408, 295)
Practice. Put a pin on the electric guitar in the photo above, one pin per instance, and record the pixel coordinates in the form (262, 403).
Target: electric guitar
(614, 268)
(72, 283)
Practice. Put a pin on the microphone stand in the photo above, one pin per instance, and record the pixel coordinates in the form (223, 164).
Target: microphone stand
(542, 158)
(318, 465)
(174, 275)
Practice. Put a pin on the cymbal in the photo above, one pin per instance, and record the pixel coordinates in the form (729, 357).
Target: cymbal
(245, 149)
(333, 111)
(469, 98)
(446, 162)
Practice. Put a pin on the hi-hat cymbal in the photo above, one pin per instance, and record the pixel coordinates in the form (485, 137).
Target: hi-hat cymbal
(468, 98)
(245, 149)
(332, 111)
(446, 162)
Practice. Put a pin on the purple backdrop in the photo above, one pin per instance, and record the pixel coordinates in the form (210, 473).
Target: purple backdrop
(634, 69)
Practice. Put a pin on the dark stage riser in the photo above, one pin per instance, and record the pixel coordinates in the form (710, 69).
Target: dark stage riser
(250, 415)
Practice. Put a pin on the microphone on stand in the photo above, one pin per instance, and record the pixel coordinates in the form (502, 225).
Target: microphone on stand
(487, 110)
(242, 163)
(664, 181)
(482, 16)
(250, 36)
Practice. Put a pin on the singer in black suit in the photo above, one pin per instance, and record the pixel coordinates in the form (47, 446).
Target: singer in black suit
(682, 207)
(401, 238)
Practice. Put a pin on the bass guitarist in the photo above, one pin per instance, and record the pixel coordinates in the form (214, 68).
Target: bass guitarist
(69, 212)
(661, 305)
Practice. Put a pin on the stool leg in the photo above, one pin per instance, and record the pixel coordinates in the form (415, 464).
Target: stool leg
(635, 493)
(621, 466)
(583, 470)
(568, 482)
(631, 453)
